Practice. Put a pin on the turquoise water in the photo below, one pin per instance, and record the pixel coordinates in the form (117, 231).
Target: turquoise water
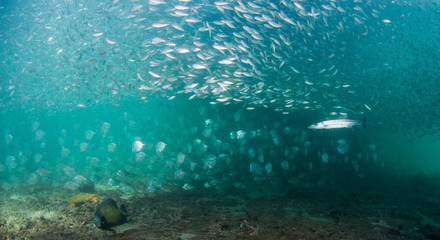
(158, 71)
(158, 96)
(249, 150)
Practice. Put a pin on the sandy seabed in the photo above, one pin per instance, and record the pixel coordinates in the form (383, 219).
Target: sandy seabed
(39, 212)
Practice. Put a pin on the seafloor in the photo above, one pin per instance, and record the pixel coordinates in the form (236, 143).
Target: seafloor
(399, 210)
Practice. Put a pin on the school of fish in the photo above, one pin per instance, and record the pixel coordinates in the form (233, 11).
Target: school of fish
(340, 59)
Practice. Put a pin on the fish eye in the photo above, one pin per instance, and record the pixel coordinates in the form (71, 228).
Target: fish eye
(97, 222)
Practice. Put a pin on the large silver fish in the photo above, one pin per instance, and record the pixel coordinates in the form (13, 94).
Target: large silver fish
(338, 123)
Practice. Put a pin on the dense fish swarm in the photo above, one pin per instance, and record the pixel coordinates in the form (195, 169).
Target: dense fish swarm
(209, 93)
(157, 147)
(339, 57)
